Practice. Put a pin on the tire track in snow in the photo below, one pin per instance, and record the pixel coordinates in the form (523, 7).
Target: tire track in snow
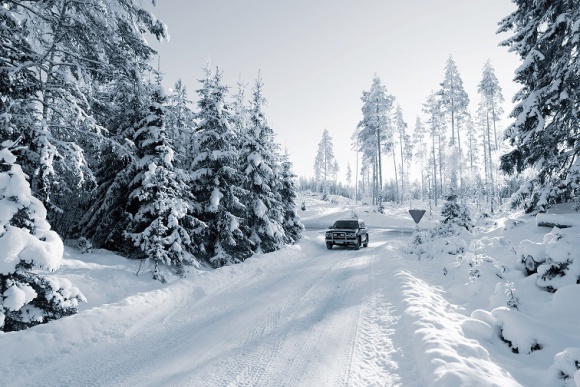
(372, 359)
(318, 351)
(264, 326)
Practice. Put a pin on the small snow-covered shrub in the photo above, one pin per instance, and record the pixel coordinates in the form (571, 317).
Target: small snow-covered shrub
(84, 245)
(505, 294)
(531, 255)
(566, 365)
(518, 332)
(512, 223)
(562, 264)
(456, 217)
(513, 299)
(381, 208)
(555, 261)
(456, 213)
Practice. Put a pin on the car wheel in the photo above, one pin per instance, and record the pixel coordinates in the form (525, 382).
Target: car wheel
(329, 246)
(366, 244)
(357, 244)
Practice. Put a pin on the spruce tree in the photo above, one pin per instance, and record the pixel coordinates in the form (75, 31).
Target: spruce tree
(217, 182)
(454, 99)
(455, 216)
(490, 109)
(180, 124)
(405, 149)
(432, 108)
(104, 220)
(260, 166)
(292, 225)
(374, 132)
(76, 49)
(28, 248)
(421, 153)
(17, 80)
(545, 129)
(324, 161)
(454, 102)
(160, 204)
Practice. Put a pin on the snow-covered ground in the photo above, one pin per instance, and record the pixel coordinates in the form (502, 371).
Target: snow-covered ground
(306, 316)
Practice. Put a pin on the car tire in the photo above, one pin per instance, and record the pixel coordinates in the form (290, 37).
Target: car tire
(366, 244)
(357, 244)
(329, 246)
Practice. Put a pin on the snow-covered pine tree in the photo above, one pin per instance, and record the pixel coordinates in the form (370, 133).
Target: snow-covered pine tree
(324, 162)
(491, 93)
(240, 111)
(490, 110)
(456, 217)
(432, 108)
(421, 154)
(217, 181)
(105, 221)
(180, 124)
(544, 133)
(454, 99)
(160, 203)
(260, 163)
(17, 80)
(473, 180)
(374, 133)
(292, 225)
(454, 102)
(405, 149)
(75, 48)
(28, 247)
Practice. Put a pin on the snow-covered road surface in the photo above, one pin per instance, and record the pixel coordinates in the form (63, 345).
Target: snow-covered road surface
(323, 321)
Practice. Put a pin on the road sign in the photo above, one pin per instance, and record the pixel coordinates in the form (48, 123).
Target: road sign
(417, 215)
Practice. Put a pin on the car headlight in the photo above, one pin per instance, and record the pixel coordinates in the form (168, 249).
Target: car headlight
(328, 234)
(351, 234)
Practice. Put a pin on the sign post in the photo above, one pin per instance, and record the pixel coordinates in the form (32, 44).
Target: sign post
(417, 215)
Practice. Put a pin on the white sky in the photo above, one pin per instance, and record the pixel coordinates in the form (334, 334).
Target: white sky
(317, 57)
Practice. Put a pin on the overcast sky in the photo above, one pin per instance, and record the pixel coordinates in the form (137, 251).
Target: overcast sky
(317, 57)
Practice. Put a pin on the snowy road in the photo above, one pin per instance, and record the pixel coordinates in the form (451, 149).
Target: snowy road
(322, 319)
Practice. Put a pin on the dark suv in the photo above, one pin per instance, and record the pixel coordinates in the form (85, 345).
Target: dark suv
(346, 232)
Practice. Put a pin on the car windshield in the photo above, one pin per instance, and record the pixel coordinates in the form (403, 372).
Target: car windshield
(346, 224)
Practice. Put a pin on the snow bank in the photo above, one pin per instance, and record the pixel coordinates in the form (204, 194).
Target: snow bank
(444, 355)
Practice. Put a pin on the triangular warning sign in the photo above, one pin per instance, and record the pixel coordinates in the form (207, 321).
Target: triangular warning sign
(417, 215)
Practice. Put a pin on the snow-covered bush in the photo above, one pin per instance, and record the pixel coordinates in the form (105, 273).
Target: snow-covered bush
(566, 366)
(28, 245)
(562, 265)
(84, 245)
(555, 261)
(455, 217)
(515, 329)
(448, 236)
(381, 207)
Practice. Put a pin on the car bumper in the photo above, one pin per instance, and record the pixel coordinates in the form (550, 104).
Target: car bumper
(338, 241)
